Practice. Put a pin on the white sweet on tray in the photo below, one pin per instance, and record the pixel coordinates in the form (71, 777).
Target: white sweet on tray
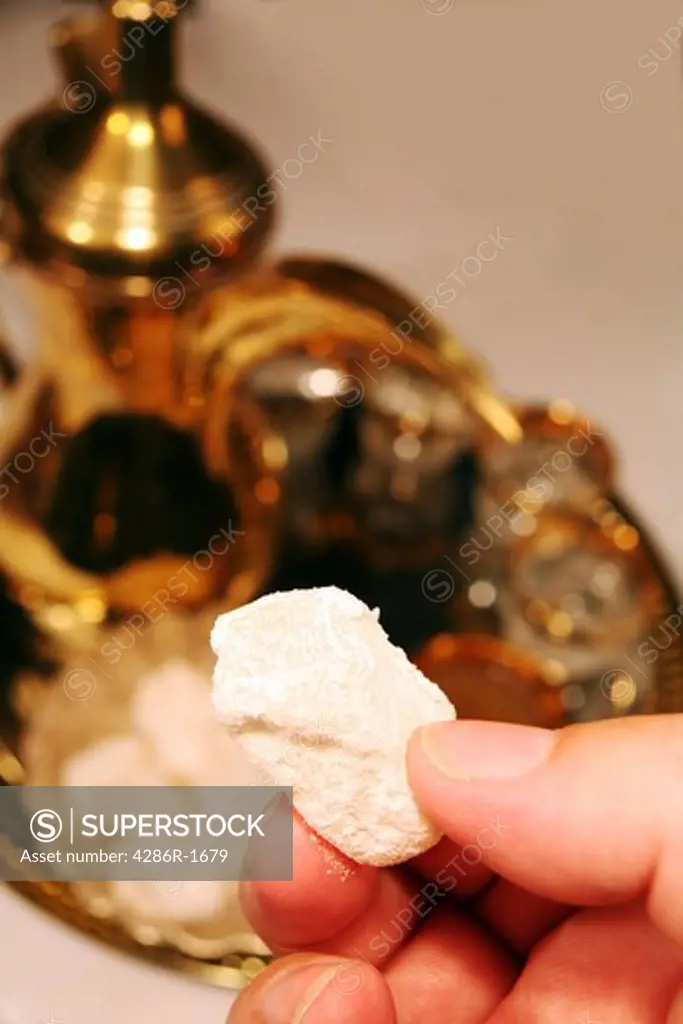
(172, 739)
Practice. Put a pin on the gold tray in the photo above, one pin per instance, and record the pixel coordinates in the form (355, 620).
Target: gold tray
(232, 972)
(312, 303)
(236, 971)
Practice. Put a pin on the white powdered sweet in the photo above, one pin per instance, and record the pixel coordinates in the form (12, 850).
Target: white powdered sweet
(310, 686)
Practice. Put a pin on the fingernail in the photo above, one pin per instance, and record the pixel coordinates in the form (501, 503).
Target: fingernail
(466, 751)
(298, 996)
(315, 993)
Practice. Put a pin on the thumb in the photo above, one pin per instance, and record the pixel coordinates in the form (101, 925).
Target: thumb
(586, 815)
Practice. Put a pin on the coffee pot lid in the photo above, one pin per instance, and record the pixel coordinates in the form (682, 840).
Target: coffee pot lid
(125, 179)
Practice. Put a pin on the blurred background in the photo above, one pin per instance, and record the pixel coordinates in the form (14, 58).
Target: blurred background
(447, 126)
(555, 126)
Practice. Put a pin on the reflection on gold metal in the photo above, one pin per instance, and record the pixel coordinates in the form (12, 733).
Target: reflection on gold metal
(339, 313)
(127, 176)
(620, 563)
(233, 972)
(561, 421)
(559, 625)
(100, 205)
(625, 537)
(563, 450)
(110, 198)
(333, 312)
(11, 771)
(482, 594)
(487, 678)
(622, 691)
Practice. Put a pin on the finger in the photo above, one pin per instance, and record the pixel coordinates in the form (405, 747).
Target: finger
(603, 965)
(331, 895)
(450, 970)
(376, 935)
(384, 907)
(333, 906)
(456, 870)
(520, 918)
(327, 894)
(676, 1011)
(590, 814)
(317, 990)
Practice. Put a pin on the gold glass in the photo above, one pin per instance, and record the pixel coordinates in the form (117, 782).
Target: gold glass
(582, 580)
(489, 679)
(565, 459)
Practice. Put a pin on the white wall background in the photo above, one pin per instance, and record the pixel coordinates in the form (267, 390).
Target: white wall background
(494, 113)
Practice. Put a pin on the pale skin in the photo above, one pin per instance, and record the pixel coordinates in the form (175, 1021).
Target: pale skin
(564, 858)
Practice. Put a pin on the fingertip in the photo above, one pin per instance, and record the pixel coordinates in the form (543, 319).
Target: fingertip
(318, 989)
(462, 772)
(470, 876)
(327, 893)
(357, 992)
(576, 816)
(465, 751)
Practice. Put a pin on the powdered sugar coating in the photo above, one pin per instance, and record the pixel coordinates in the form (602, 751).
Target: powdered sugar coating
(311, 687)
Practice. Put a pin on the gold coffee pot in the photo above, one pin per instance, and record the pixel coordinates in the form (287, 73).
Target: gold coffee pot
(124, 180)
(109, 195)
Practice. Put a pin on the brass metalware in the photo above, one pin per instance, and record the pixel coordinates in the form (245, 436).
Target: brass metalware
(233, 972)
(607, 536)
(561, 421)
(489, 679)
(338, 314)
(108, 195)
(113, 194)
(124, 182)
(562, 451)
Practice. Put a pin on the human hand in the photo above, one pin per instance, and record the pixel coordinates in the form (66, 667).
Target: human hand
(563, 861)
